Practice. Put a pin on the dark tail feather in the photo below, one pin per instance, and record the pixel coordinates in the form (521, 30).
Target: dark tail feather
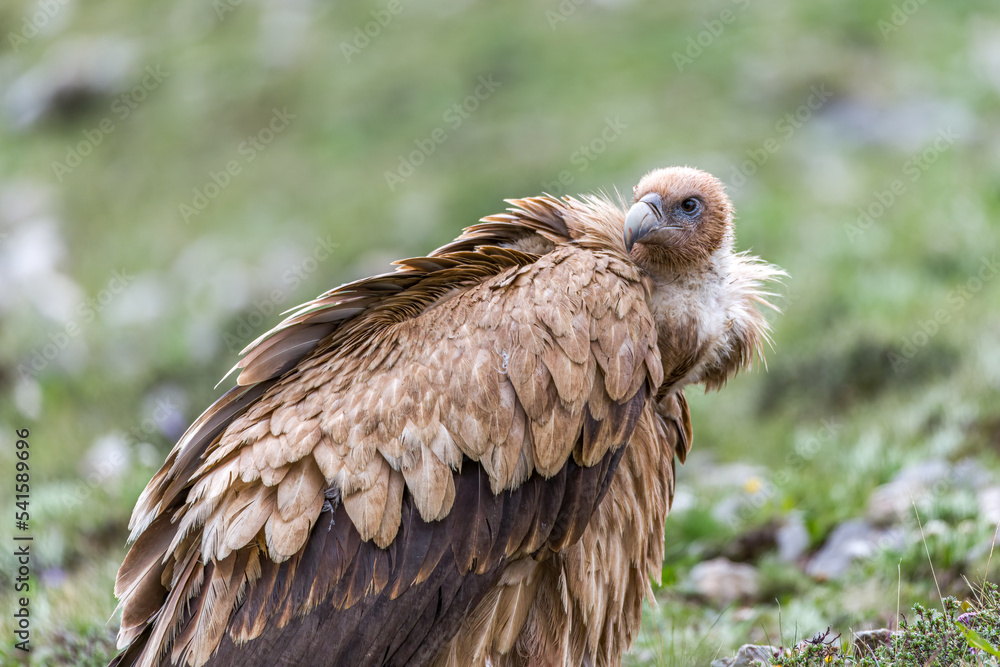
(130, 656)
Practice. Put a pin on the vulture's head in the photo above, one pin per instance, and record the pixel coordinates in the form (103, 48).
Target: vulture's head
(680, 218)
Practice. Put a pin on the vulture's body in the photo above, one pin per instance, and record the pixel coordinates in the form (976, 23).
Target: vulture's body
(468, 460)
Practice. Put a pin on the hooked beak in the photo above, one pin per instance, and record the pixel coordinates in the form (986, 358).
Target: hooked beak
(644, 216)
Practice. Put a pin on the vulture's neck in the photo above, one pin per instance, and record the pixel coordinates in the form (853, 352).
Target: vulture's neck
(707, 324)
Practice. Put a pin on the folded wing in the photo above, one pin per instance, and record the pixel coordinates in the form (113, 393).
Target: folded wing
(389, 448)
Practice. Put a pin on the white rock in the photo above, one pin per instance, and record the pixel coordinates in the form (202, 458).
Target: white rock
(922, 483)
(722, 582)
(893, 501)
(989, 504)
(792, 538)
(851, 540)
(749, 655)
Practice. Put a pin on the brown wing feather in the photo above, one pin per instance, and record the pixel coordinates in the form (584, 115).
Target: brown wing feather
(353, 400)
(584, 604)
(401, 622)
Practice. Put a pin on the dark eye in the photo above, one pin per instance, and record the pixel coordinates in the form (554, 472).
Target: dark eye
(690, 206)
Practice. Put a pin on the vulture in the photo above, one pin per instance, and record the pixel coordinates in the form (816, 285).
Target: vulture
(466, 461)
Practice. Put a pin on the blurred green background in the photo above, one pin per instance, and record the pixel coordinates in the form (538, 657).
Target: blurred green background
(174, 175)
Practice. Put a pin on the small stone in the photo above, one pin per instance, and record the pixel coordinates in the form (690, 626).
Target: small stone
(989, 504)
(749, 655)
(722, 582)
(921, 484)
(893, 502)
(853, 539)
(792, 538)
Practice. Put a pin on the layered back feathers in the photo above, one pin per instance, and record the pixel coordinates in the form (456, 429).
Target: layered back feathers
(382, 388)
(434, 444)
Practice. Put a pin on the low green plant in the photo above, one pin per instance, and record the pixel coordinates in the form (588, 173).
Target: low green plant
(965, 633)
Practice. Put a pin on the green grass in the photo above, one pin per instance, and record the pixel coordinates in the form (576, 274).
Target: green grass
(850, 302)
(963, 633)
